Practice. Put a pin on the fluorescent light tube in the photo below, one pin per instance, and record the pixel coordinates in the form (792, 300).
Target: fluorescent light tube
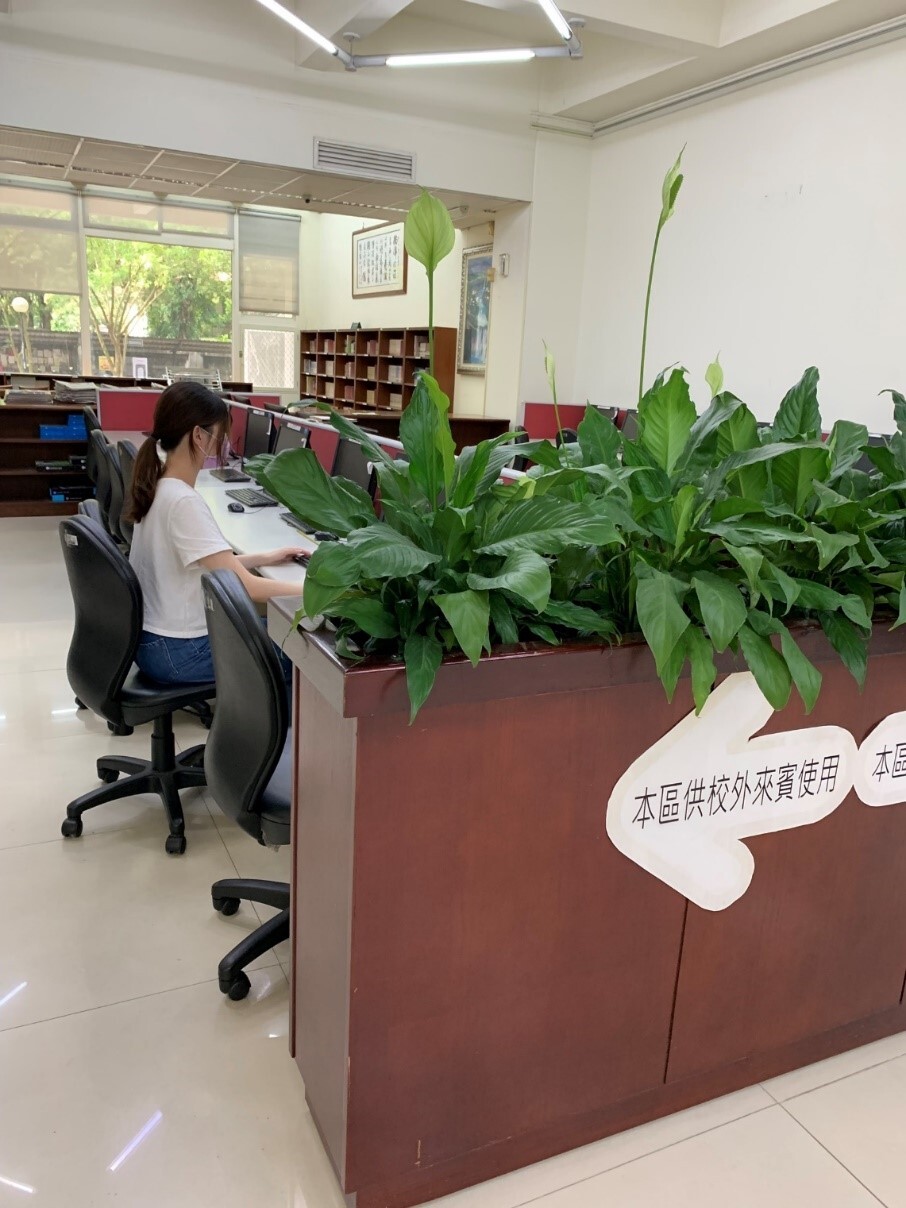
(459, 57)
(297, 23)
(559, 22)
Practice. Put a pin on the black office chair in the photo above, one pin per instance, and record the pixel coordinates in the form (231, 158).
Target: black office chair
(522, 438)
(117, 496)
(108, 626)
(247, 760)
(93, 456)
(567, 436)
(92, 423)
(127, 455)
(100, 462)
(92, 509)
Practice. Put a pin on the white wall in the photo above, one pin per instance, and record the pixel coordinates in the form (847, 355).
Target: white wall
(557, 254)
(788, 247)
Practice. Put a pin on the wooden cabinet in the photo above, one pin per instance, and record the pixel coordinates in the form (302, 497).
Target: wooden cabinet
(25, 490)
(373, 369)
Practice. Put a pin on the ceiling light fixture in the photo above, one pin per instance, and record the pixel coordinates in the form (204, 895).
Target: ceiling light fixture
(454, 58)
(457, 58)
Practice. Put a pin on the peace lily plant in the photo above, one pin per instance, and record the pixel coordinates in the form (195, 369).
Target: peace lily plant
(704, 534)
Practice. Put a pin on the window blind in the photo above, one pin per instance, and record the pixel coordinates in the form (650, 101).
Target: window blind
(39, 249)
(269, 264)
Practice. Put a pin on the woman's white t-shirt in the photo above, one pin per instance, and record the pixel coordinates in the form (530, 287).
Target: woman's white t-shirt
(166, 547)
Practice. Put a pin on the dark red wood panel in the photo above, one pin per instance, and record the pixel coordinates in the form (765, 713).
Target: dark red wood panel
(819, 939)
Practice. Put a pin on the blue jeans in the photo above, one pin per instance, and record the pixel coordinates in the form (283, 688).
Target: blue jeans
(185, 660)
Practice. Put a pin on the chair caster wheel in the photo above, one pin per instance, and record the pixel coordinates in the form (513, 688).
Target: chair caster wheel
(71, 828)
(238, 987)
(79, 704)
(225, 906)
(175, 845)
(108, 775)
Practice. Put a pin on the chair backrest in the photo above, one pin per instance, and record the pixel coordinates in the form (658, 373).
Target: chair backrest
(108, 615)
(115, 510)
(251, 717)
(127, 454)
(91, 509)
(97, 444)
(521, 438)
(567, 436)
(92, 423)
(93, 454)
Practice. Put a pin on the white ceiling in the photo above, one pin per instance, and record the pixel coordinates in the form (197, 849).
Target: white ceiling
(636, 51)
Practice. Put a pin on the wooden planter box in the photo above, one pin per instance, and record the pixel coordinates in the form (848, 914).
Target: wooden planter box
(481, 980)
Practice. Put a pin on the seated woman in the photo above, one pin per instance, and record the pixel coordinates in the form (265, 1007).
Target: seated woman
(176, 538)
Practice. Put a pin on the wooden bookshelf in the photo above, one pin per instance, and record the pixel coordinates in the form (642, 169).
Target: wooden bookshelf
(25, 491)
(373, 369)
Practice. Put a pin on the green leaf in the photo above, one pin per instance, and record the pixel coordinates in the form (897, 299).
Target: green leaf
(425, 435)
(788, 587)
(369, 615)
(423, 656)
(524, 574)
(850, 642)
(502, 619)
(818, 597)
(683, 511)
(721, 410)
(830, 544)
(661, 617)
(751, 560)
(666, 416)
(714, 376)
(429, 233)
(736, 435)
(769, 668)
(550, 369)
(576, 616)
(701, 660)
(901, 602)
(332, 571)
(798, 415)
(806, 675)
(670, 191)
(794, 472)
(295, 478)
(723, 609)
(383, 553)
(468, 613)
(599, 439)
(548, 525)
(846, 443)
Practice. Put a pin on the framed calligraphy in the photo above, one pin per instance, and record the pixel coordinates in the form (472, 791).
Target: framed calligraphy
(380, 263)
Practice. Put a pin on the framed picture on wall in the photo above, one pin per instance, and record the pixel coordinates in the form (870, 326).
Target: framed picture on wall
(475, 309)
(380, 264)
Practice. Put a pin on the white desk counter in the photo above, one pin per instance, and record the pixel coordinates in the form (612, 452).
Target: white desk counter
(254, 530)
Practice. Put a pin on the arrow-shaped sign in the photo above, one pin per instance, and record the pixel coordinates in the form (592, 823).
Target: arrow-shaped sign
(683, 808)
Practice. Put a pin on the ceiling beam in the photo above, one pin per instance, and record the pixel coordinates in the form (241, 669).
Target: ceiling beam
(334, 17)
(692, 25)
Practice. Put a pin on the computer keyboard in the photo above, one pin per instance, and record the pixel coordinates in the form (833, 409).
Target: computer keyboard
(228, 474)
(295, 522)
(252, 498)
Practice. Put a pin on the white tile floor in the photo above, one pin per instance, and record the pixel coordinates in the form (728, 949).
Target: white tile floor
(125, 1077)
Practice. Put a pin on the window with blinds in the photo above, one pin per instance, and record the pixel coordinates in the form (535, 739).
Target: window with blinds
(269, 264)
(153, 217)
(39, 250)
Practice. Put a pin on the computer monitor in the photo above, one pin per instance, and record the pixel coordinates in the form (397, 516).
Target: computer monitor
(257, 434)
(352, 463)
(290, 437)
(239, 419)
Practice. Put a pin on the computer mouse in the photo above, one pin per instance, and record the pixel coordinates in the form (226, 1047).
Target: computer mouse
(320, 536)
(235, 507)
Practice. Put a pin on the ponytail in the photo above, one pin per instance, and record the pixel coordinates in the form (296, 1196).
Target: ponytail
(145, 476)
(180, 409)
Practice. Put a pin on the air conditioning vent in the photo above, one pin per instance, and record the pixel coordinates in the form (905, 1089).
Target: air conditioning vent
(371, 162)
